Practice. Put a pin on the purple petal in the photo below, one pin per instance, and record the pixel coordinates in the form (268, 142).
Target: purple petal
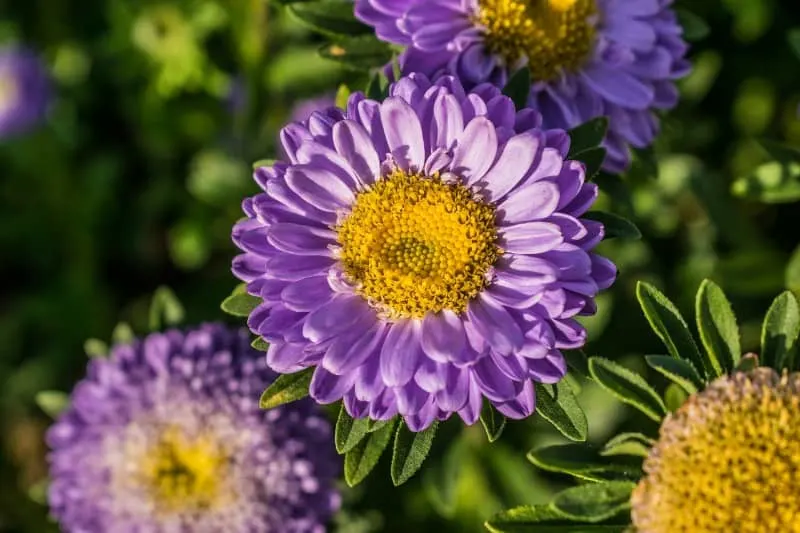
(442, 336)
(401, 352)
(531, 238)
(403, 133)
(336, 316)
(327, 388)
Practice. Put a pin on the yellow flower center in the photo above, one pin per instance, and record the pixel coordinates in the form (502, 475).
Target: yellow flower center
(184, 473)
(550, 35)
(728, 460)
(415, 244)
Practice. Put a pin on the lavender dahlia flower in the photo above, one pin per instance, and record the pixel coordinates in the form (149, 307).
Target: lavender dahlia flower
(422, 253)
(24, 91)
(588, 58)
(166, 436)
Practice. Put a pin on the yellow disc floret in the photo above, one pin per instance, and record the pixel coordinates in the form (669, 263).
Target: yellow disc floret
(727, 461)
(184, 473)
(551, 35)
(414, 244)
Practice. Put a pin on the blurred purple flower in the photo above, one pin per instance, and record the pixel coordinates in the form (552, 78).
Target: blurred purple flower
(588, 58)
(422, 253)
(24, 91)
(166, 435)
(303, 108)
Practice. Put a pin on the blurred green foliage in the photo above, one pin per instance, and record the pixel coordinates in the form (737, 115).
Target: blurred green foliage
(136, 179)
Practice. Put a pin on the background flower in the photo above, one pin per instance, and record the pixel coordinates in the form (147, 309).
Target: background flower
(422, 253)
(24, 90)
(166, 435)
(587, 58)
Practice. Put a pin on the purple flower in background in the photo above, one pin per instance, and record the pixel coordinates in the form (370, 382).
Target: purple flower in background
(166, 436)
(422, 253)
(24, 91)
(588, 58)
(303, 108)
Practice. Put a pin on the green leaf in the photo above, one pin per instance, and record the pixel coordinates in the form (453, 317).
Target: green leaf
(748, 362)
(263, 163)
(717, 326)
(627, 386)
(349, 431)
(165, 309)
(617, 190)
(377, 88)
(674, 397)
(95, 348)
(779, 333)
(544, 519)
(331, 17)
(410, 451)
(628, 444)
(240, 303)
(586, 136)
(360, 461)
(694, 27)
(441, 478)
(577, 361)
(260, 344)
(518, 88)
(122, 334)
(594, 502)
(286, 389)
(592, 159)
(493, 422)
(363, 52)
(793, 272)
(585, 462)
(342, 95)
(52, 402)
(38, 491)
(793, 38)
(615, 225)
(558, 405)
(671, 328)
(678, 371)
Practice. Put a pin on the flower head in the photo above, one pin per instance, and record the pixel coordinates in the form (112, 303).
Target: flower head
(24, 91)
(727, 460)
(588, 58)
(422, 253)
(166, 435)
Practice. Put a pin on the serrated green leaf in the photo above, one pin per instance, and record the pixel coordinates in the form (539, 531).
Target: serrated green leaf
(375, 425)
(363, 52)
(615, 225)
(493, 422)
(543, 519)
(681, 372)
(410, 451)
(671, 328)
(52, 402)
(779, 332)
(349, 431)
(260, 344)
(594, 502)
(585, 462)
(694, 27)
(628, 444)
(331, 17)
(95, 348)
(674, 397)
(287, 388)
(586, 136)
(240, 303)
(440, 478)
(577, 361)
(558, 405)
(717, 326)
(518, 88)
(627, 386)
(360, 461)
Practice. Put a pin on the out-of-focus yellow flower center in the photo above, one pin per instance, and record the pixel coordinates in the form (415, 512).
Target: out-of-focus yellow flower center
(414, 244)
(727, 461)
(185, 473)
(8, 90)
(554, 35)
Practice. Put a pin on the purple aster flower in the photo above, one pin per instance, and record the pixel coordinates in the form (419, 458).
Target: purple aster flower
(166, 436)
(422, 253)
(588, 58)
(24, 91)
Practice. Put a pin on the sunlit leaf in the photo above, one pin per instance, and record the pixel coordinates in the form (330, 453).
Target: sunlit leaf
(410, 451)
(627, 386)
(286, 389)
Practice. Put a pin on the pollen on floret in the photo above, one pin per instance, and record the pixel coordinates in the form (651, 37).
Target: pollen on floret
(550, 36)
(415, 244)
(727, 460)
